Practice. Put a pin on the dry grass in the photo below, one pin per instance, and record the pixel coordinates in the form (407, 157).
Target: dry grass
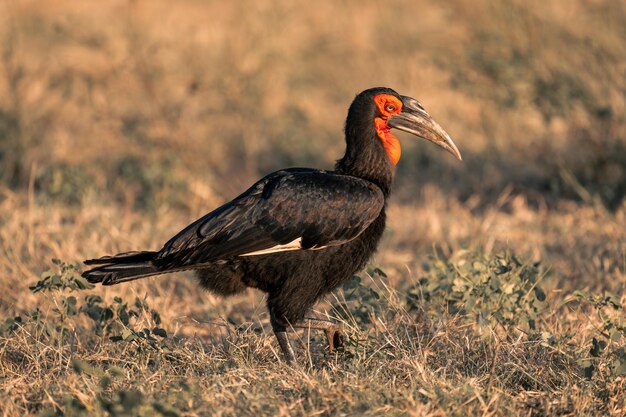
(119, 123)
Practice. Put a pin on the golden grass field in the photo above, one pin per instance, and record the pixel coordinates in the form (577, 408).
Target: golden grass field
(122, 121)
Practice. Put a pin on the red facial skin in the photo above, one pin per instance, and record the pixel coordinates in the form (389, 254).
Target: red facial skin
(388, 105)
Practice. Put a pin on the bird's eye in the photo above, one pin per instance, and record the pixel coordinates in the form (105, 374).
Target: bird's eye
(390, 107)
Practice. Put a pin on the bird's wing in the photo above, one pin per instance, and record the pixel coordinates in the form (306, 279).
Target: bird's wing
(287, 210)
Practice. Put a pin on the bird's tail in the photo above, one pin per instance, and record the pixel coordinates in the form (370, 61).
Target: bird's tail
(122, 267)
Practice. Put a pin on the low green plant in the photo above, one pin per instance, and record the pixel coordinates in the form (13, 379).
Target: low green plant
(501, 290)
(505, 291)
(119, 320)
(483, 317)
(64, 183)
(608, 344)
(360, 301)
(114, 402)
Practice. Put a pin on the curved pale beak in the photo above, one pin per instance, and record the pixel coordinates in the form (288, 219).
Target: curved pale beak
(414, 119)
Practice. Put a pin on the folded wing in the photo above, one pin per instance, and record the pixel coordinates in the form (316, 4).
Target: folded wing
(295, 209)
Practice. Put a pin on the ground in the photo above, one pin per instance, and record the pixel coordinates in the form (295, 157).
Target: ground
(498, 288)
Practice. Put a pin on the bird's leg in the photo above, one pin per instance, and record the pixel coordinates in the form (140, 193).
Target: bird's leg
(333, 330)
(280, 332)
(285, 346)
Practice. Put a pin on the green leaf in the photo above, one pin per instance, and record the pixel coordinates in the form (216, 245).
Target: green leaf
(378, 271)
(165, 410)
(541, 296)
(352, 283)
(159, 332)
(70, 306)
(129, 399)
(615, 334)
(123, 315)
(156, 317)
(82, 283)
(105, 381)
(81, 366)
(116, 371)
(619, 368)
(128, 335)
(10, 325)
(597, 347)
(587, 368)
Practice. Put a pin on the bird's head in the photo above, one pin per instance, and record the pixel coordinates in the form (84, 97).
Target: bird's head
(382, 109)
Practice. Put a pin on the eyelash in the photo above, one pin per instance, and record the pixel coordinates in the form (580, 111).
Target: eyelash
(390, 107)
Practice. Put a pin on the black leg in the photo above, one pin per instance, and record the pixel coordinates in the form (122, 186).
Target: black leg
(285, 346)
(280, 332)
(333, 331)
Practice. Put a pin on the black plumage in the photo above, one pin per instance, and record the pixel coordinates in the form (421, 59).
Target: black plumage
(297, 233)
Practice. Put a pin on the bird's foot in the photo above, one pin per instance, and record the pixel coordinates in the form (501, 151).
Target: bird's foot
(334, 331)
(334, 334)
(336, 337)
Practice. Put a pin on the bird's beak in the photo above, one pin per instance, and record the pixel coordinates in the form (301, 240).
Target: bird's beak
(414, 119)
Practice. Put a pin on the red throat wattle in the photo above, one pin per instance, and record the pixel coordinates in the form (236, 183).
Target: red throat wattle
(390, 141)
(388, 105)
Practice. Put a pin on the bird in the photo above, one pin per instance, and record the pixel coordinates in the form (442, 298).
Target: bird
(297, 233)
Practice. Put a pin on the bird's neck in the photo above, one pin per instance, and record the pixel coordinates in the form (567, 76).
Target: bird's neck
(366, 158)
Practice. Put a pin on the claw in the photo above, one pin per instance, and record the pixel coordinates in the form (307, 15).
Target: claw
(335, 337)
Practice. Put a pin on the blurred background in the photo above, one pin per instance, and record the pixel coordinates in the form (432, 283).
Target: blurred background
(149, 102)
(122, 121)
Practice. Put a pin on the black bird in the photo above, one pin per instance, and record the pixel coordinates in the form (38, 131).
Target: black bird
(297, 233)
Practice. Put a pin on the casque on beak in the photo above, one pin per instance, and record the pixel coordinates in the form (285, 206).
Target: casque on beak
(414, 119)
